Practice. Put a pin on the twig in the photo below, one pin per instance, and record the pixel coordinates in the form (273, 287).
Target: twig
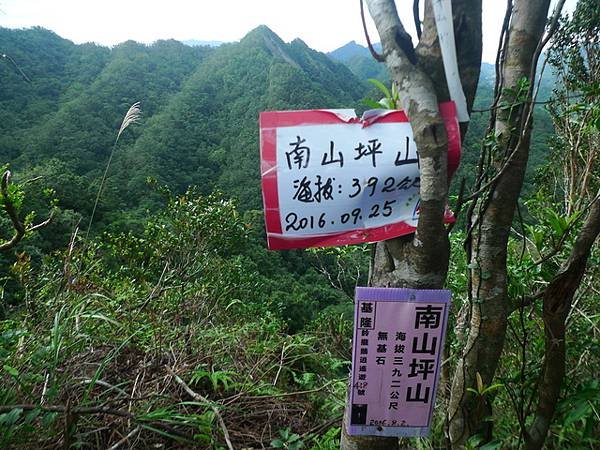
(105, 384)
(200, 398)
(323, 426)
(132, 433)
(25, 77)
(289, 394)
(524, 302)
(416, 18)
(131, 397)
(72, 410)
(31, 180)
(280, 365)
(156, 288)
(376, 56)
(459, 204)
(44, 389)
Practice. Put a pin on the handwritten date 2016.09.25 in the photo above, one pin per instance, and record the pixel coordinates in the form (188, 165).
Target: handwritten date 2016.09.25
(293, 222)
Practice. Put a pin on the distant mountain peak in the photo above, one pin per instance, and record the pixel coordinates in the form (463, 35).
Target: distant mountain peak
(275, 45)
(300, 42)
(263, 31)
(350, 50)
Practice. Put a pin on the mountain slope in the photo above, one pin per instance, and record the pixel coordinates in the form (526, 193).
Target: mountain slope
(208, 133)
(200, 111)
(360, 61)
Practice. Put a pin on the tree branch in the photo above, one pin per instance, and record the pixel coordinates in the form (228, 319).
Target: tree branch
(11, 210)
(557, 305)
(202, 399)
(390, 29)
(25, 77)
(374, 53)
(489, 229)
(72, 410)
(416, 18)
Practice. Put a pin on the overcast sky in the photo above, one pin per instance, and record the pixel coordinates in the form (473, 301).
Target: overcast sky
(323, 24)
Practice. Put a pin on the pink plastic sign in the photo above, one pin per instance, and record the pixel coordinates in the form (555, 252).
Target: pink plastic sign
(397, 347)
(330, 178)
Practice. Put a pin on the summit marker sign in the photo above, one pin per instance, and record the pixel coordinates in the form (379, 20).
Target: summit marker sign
(331, 179)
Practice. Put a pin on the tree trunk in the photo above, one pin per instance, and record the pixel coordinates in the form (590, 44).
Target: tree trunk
(492, 222)
(421, 260)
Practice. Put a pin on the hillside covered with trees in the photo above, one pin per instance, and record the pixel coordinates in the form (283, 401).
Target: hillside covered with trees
(147, 311)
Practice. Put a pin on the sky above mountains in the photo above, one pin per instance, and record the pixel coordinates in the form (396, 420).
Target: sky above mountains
(323, 25)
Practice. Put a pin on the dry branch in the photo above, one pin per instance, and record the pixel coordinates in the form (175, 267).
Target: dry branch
(202, 399)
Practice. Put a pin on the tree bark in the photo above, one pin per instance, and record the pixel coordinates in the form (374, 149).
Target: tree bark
(491, 226)
(421, 260)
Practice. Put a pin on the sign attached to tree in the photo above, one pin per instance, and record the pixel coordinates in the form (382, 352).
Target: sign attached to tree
(329, 178)
(398, 342)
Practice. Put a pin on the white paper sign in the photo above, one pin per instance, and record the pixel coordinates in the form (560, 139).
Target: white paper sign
(329, 178)
(334, 178)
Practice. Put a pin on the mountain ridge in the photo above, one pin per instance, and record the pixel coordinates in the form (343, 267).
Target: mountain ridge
(200, 110)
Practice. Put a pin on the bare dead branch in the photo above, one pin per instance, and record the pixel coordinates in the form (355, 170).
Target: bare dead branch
(202, 399)
(374, 53)
(31, 180)
(72, 410)
(525, 301)
(416, 18)
(125, 439)
(14, 63)
(41, 224)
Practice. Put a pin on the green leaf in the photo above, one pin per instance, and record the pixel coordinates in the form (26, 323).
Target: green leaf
(579, 412)
(11, 370)
(100, 317)
(492, 388)
(10, 418)
(379, 85)
(493, 445)
(48, 419)
(555, 222)
(479, 382)
(387, 103)
(371, 103)
(32, 415)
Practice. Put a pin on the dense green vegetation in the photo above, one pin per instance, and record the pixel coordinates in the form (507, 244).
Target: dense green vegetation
(171, 324)
(169, 270)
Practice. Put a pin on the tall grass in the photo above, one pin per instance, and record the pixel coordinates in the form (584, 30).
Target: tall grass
(133, 115)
